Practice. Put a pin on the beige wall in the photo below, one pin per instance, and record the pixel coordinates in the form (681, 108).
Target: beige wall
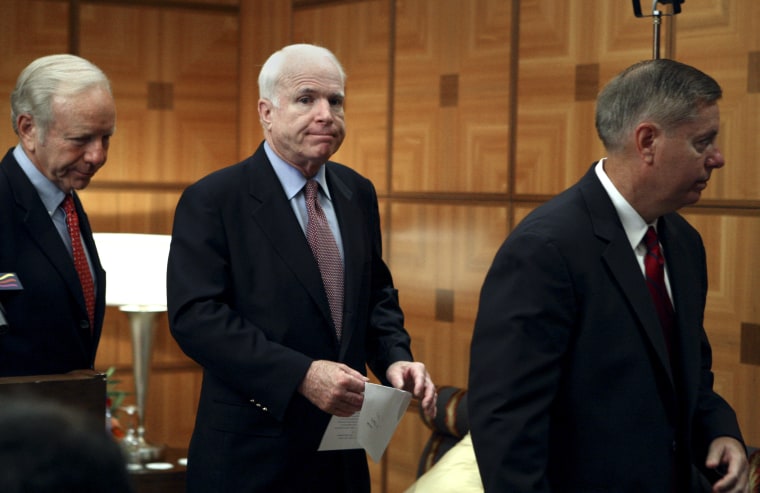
(464, 113)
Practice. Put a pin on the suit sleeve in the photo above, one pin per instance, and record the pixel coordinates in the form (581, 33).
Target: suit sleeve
(522, 330)
(203, 315)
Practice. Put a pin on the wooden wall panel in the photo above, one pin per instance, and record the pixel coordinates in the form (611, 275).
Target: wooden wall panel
(545, 100)
(734, 276)
(606, 40)
(439, 255)
(556, 139)
(201, 61)
(620, 38)
(265, 26)
(719, 38)
(451, 93)
(201, 4)
(175, 81)
(123, 41)
(361, 45)
(45, 32)
(130, 211)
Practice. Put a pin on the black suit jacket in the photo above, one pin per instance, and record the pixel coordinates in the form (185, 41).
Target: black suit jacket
(570, 386)
(246, 302)
(49, 328)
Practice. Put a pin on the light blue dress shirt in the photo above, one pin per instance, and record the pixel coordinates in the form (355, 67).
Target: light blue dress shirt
(293, 183)
(51, 197)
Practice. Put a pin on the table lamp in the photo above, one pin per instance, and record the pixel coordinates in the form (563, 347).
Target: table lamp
(135, 266)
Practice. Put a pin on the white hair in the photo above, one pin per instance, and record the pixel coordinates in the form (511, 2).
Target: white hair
(47, 77)
(289, 58)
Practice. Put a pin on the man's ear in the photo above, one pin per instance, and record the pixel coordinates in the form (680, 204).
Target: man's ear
(27, 131)
(646, 134)
(265, 112)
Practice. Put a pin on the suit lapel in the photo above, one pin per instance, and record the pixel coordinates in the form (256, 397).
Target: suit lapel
(274, 215)
(621, 261)
(41, 229)
(36, 220)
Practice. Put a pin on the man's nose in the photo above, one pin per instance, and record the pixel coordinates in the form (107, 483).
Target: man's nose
(96, 153)
(716, 159)
(324, 110)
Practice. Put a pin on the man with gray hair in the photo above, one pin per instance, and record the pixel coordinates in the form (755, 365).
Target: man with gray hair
(53, 297)
(277, 287)
(590, 368)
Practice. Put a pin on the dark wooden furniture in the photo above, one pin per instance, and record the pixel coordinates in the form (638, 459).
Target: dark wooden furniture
(81, 389)
(148, 480)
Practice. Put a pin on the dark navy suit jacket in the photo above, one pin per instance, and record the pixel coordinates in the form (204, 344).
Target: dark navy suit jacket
(570, 388)
(49, 328)
(246, 302)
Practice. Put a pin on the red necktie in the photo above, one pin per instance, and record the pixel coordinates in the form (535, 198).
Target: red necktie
(655, 273)
(325, 250)
(80, 258)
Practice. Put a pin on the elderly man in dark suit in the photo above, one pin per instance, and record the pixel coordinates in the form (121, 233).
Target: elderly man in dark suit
(284, 300)
(64, 114)
(590, 366)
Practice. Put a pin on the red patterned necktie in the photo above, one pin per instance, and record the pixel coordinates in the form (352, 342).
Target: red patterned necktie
(655, 273)
(80, 258)
(325, 250)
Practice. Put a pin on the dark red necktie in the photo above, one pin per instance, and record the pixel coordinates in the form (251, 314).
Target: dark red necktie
(80, 258)
(655, 274)
(325, 250)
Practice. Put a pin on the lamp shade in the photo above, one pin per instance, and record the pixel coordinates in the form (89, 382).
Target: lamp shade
(135, 266)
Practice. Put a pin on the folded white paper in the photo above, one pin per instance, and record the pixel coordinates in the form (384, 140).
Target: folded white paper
(373, 426)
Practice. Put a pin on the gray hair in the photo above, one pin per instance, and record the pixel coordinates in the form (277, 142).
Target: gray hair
(47, 77)
(281, 63)
(662, 91)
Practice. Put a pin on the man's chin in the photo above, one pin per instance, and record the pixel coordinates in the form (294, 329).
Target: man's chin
(692, 198)
(79, 184)
(324, 151)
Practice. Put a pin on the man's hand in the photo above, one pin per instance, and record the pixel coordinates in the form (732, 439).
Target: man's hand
(414, 378)
(333, 387)
(728, 453)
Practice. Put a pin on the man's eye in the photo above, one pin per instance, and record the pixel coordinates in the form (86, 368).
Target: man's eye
(702, 145)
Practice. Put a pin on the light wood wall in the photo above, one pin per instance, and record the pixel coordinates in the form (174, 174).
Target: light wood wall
(466, 114)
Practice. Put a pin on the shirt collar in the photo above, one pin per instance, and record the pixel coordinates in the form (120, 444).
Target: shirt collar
(51, 195)
(634, 225)
(290, 177)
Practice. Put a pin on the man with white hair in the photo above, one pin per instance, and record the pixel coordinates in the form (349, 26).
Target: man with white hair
(53, 294)
(277, 287)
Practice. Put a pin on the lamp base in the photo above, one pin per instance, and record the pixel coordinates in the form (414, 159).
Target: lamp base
(150, 453)
(138, 450)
